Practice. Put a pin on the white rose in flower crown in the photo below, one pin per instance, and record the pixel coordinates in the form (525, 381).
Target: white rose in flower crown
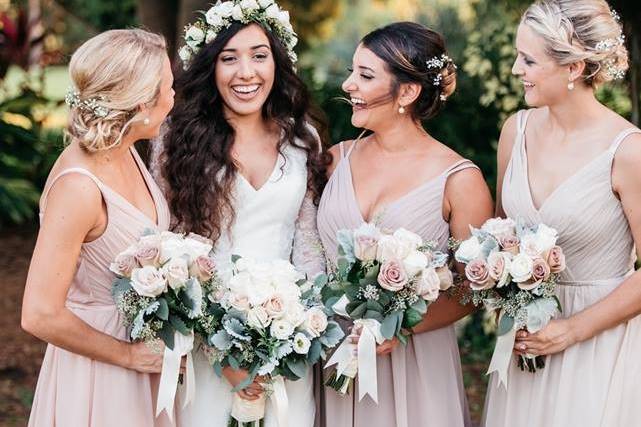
(176, 272)
(211, 35)
(414, 263)
(295, 314)
(225, 9)
(281, 329)
(521, 268)
(272, 11)
(500, 227)
(194, 36)
(265, 3)
(283, 17)
(428, 285)
(249, 5)
(237, 13)
(213, 17)
(301, 343)
(258, 318)
(366, 239)
(468, 250)
(185, 53)
(148, 281)
(316, 322)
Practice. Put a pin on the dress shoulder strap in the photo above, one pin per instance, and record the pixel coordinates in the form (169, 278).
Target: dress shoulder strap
(341, 147)
(521, 121)
(459, 166)
(621, 137)
(81, 171)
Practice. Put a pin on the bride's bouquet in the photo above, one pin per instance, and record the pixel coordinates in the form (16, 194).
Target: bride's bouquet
(514, 269)
(159, 292)
(384, 284)
(267, 319)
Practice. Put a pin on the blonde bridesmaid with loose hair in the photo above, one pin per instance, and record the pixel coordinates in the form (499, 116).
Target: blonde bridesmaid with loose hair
(573, 164)
(98, 200)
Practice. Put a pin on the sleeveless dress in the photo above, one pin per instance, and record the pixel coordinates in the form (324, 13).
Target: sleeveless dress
(275, 221)
(596, 382)
(74, 390)
(419, 385)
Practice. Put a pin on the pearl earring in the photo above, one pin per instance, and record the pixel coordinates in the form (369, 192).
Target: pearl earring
(146, 121)
(571, 86)
(401, 110)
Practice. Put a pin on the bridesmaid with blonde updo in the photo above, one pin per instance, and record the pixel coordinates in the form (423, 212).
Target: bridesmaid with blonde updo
(573, 164)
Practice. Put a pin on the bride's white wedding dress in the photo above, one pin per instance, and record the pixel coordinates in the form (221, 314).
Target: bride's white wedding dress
(276, 221)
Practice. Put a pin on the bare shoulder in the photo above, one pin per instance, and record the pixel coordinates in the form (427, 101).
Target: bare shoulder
(75, 190)
(628, 158)
(508, 135)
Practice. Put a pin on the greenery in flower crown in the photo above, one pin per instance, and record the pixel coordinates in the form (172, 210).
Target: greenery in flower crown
(266, 13)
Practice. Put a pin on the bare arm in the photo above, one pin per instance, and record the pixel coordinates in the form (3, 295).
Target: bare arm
(624, 302)
(52, 269)
(470, 203)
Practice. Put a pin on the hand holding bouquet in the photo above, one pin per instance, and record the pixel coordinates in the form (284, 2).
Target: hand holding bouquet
(513, 268)
(159, 293)
(384, 283)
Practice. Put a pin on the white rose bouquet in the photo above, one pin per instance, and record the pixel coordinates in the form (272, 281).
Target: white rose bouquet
(270, 321)
(513, 268)
(159, 292)
(384, 284)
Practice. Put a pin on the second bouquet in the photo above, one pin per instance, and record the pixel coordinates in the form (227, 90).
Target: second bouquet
(267, 319)
(384, 283)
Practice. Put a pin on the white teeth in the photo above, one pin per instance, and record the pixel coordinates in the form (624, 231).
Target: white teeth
(528, 84)
(358, 101)
(246, 89)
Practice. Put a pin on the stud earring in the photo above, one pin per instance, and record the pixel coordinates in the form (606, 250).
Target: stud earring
(401, 110)
(571, 86)
(146, 121)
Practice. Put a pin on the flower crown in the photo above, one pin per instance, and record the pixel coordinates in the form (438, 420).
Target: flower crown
(267, 13)
(73, 100)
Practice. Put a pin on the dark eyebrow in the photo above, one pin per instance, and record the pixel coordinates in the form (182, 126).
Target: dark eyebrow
(252, 48)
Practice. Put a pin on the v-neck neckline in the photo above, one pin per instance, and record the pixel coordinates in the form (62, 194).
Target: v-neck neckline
(148, 185)
(269, 178)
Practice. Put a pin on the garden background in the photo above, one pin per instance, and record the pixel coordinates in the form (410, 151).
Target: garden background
(37, 38)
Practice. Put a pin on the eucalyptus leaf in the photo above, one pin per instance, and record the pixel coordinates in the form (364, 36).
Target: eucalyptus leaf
(411, 318)
(163, 309)
(420, 305)
(388, 325)
(179, 324)
(358, 312)
(372, 314)
(166, 334)
(298, 367)
(506, 323)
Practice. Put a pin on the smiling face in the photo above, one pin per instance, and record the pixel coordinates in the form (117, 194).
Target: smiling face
(245, 71)
(369, 87)
(544, 81)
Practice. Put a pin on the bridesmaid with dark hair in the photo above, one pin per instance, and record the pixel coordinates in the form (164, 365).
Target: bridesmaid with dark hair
(400, 176)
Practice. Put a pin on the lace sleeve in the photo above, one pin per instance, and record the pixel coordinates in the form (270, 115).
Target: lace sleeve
(157, 158)
(308, 255)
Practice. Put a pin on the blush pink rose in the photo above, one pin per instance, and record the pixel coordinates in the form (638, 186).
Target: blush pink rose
(148, 253)
(275, 306)
(124, 264)
(203, 268)
(365, 247)
(392, 276)
(510, 244)
(540, 270)
(477, 272)
(556, 260)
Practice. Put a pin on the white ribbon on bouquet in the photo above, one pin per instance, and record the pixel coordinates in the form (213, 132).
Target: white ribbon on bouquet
(344, 356)
(183, 344)
(247, 411)
(502, 355)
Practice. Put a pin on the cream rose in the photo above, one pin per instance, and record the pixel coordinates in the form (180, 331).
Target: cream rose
(315, 322)
(176, 272)
(521, 268)
(275, 306)
(237, 12)
(414, 263)
(148, 281)
(258, 318)
(365, 242)
(428, 285)
(500, 227)
(239, 302)
(477, 272)
(556, 260)
(409, 239)
(389, 247)
(446, 279)
(392, 276)
(295, 314)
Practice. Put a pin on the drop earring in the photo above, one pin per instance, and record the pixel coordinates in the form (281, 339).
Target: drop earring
(146, 121)
(401, 110)
(571, 85)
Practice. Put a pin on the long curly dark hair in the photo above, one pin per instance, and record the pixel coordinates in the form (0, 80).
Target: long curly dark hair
(199, 168)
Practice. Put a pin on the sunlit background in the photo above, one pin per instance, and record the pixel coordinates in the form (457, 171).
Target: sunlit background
(37, 38)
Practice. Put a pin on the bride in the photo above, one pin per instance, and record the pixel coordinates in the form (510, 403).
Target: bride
(239, 162)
